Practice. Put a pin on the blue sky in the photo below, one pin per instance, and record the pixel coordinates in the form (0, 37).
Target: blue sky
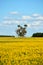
(14, 12)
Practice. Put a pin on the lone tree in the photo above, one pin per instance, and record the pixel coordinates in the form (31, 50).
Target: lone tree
(21, 31)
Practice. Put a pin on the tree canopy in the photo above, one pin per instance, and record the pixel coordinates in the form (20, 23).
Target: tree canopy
(37, 35)
(21, 31)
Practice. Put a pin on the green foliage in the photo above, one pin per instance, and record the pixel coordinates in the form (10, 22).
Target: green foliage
(37, 35)
(21, 31)
(6, 36)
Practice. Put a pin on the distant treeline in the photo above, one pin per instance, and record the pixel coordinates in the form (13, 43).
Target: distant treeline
(37, 35)
(6, 36)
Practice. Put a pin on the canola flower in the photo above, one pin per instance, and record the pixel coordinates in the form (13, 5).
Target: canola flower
(21, 51)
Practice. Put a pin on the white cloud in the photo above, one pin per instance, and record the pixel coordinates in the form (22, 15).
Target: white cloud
(7, 22)
(35, 15)
(40, 18)
(29, 25)
(26, 17)
(11, 22)
(14, 13)
(36, 23)
(17, 22)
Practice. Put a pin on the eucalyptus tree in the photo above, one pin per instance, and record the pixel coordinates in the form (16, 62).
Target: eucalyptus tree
(21, 31)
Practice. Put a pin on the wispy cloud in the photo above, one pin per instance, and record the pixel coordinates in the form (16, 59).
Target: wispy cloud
(36, 23)
(13, 22)
(35, 15)
(31, 22)
(40, 18)
(14, 12)
(26, 17)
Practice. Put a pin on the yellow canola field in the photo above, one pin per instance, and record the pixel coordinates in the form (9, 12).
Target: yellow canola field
(21, 51)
